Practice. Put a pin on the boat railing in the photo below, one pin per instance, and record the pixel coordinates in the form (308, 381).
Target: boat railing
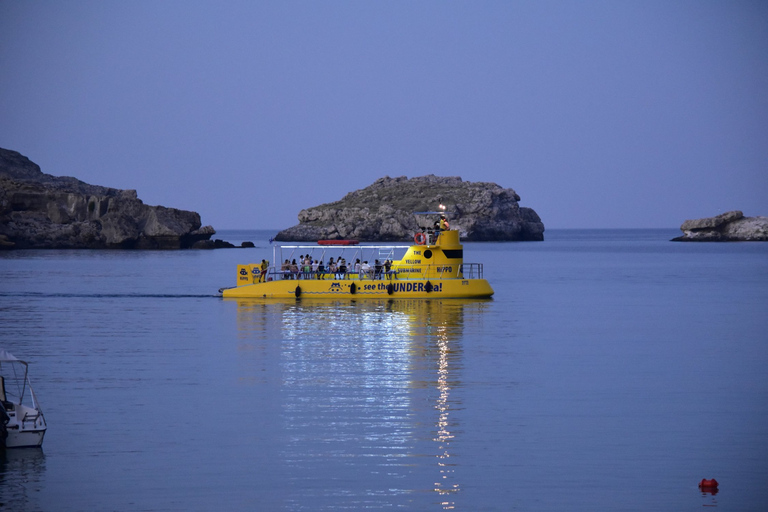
(349, 252)
(466, 271)
(30, 417)
(276, 274)
(471, 270)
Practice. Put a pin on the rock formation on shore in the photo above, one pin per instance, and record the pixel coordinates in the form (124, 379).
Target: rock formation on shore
(40, 211)
(384, 211)
(728, 227)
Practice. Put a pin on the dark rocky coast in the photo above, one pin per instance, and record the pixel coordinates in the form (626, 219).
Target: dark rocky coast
(40, 211)
(731, 226)
(384, 211)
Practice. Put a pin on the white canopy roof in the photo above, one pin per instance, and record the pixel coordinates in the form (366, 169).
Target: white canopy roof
(7, 356)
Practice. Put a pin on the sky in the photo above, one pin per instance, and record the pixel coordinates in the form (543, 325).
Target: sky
(599, 114)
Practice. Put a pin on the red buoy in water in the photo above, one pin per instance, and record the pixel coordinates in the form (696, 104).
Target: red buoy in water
(708, 485)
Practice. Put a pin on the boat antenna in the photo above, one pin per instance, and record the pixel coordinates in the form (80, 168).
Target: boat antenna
(440, 211)
(434, 213)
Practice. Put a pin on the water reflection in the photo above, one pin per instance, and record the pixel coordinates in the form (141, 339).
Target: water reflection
(22, 472)
(447, 483)
(367, 391)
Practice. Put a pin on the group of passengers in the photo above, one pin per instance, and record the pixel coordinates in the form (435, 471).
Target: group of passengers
(308, 268)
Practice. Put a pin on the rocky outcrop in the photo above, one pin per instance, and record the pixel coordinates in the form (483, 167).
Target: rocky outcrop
(384, 211)
(40, 211)
(727, 227)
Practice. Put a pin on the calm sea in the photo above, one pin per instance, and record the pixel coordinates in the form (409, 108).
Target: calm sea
(612, 370)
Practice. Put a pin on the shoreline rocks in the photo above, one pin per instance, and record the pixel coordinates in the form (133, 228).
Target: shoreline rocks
(384, 211)
(731, 226)
(41, 211)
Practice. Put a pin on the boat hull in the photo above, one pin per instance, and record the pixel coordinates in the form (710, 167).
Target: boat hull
(24, 438)
(364, 288)
(337, 242)
(25, 426)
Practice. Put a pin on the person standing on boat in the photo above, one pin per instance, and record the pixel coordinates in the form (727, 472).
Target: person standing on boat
(264, 267)
(432, 233)
(444, 226)
(365, 269)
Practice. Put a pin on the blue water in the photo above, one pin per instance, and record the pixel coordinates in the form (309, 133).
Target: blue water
(612, 370)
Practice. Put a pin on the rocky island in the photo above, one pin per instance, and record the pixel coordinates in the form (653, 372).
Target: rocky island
(40, 211)
(727, 227)
(384, 211)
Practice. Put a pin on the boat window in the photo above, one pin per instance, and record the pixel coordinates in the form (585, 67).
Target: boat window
(453, 253)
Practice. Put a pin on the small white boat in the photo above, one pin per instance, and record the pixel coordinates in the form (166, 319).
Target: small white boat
(21, 420)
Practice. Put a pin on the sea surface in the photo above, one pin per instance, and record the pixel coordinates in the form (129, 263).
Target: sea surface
(612, 370)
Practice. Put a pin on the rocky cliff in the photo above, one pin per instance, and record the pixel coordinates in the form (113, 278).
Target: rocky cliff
(40, 211)
(384, 211)
(727, 227)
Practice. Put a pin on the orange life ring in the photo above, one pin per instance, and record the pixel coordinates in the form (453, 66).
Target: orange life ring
(420, 238)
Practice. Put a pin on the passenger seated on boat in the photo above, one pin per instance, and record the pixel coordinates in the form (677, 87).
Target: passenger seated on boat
(294, 270)
(342, 274)
(285, 269)
(388, 271)
(365, 270)
(332, 268)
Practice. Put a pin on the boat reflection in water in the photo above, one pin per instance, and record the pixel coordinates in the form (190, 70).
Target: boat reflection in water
(22, 478)
(366, 385)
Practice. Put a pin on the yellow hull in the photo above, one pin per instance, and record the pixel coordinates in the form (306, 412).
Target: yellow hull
(363, 288)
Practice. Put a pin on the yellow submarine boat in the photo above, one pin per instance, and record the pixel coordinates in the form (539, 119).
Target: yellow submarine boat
(431, 268)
